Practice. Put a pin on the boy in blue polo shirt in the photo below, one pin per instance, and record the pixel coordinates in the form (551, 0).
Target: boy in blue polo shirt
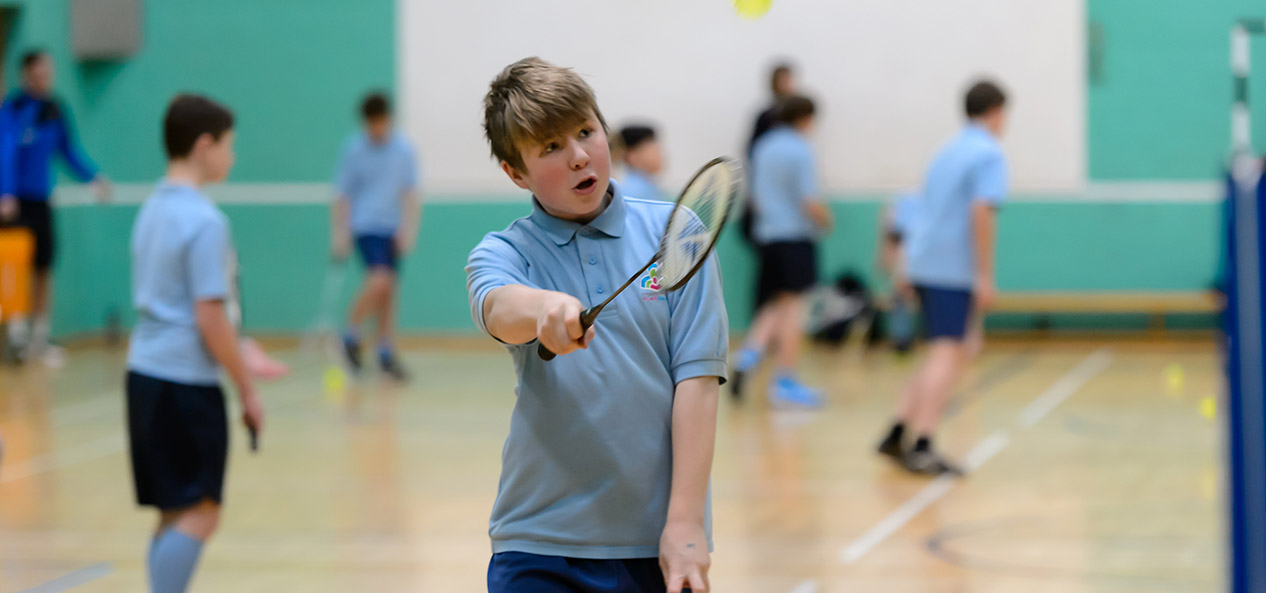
(604, 482)
(377, 205)
(951, 265)
(183, 276)
(643, 161)
(790, 216)
(894, 230)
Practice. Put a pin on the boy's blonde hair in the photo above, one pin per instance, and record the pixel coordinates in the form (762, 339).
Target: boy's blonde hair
(532, 101)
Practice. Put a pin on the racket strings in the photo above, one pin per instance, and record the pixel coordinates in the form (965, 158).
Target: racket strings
(696, 222)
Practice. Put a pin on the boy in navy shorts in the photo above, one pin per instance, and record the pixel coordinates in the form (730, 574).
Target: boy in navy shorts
(378, 206)
(950, 262)
(183, 273)
(790, 218)
(604, 481)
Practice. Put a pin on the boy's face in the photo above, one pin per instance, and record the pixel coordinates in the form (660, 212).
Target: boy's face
(215, 157)
(805, 124)
(647, 156)
(378, 127)
(568, 173)
(38, 78)
(996, 120)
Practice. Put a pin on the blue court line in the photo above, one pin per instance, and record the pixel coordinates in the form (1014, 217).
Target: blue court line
(72, 580)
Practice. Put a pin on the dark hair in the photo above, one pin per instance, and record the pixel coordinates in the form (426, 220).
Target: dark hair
(793, 108)
(632, 136)
(375, 105)
(983, 97)
(781, 69)
(188, 118)
(31, 57)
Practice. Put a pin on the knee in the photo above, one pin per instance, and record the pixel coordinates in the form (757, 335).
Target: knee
(382, 281)
(201, 521)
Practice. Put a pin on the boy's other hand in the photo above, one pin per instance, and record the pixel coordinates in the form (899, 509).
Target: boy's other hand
(101, 188)
(8, 208)
(252, 410)
(985, 293)
(684, 558)
(558, 324)
(404, 243)
(340, 246)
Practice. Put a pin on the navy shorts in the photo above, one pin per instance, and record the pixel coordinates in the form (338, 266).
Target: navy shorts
(179, 437)
(519, 572)
(377, 251)
(788, 267)
(36, 214)
(945, 311)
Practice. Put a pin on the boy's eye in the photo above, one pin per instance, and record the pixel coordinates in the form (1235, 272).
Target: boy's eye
(585, 132)
(551, 147)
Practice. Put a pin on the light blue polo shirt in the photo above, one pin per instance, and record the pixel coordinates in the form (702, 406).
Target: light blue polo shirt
(587, 467)
(904, 212)
(970, 167)
(373, 176)
(638, 184)
(182, 253)
(784, 179)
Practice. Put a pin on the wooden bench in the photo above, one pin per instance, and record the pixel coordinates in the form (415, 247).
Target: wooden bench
(1154, 304)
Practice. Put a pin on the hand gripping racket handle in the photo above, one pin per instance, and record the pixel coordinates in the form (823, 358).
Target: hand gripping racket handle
(586, 322)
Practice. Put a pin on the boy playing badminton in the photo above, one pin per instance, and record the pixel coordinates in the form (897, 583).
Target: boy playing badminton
(950, 259)
(183, 271)
(377, 205)
(604, 482)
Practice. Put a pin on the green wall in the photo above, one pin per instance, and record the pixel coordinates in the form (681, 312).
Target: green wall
(1160, 109)
(292, 71)
(283, 251)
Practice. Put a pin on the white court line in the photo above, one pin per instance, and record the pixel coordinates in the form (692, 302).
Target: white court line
(928, 495)
(809, 586)
(72, 580)
(1061, 390)
(39, 464)
(1065, 387)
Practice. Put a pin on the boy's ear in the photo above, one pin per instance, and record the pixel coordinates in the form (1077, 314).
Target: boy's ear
(514, 175)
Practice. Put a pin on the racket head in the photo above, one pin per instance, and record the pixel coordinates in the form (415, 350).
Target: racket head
(697, 219)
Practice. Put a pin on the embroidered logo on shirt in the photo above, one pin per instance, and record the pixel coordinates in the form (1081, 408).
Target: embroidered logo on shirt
(651, 280)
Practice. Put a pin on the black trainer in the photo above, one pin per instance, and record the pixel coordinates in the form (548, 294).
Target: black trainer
(351, 355)
(736, 384)
(891, 448)
(392, 368)
(927, 463)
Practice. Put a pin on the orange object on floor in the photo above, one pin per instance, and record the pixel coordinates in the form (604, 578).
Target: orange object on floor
(17, 250)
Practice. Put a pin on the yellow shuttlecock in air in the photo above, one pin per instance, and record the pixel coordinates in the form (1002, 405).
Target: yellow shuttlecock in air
(752, 9)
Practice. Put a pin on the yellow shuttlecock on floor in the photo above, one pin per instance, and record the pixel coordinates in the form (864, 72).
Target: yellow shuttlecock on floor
(335, 379)
(1174, 379)
(1209, 407)
(752, 9)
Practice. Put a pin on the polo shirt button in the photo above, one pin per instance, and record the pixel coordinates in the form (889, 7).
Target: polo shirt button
(593, 260)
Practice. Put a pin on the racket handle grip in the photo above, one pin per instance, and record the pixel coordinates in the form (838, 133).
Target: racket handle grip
(586, 321)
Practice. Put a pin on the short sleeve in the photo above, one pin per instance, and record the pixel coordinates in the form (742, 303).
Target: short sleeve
(991, 179)
(699, 338)
(806, 176)
(492, 264)
(208, 262)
